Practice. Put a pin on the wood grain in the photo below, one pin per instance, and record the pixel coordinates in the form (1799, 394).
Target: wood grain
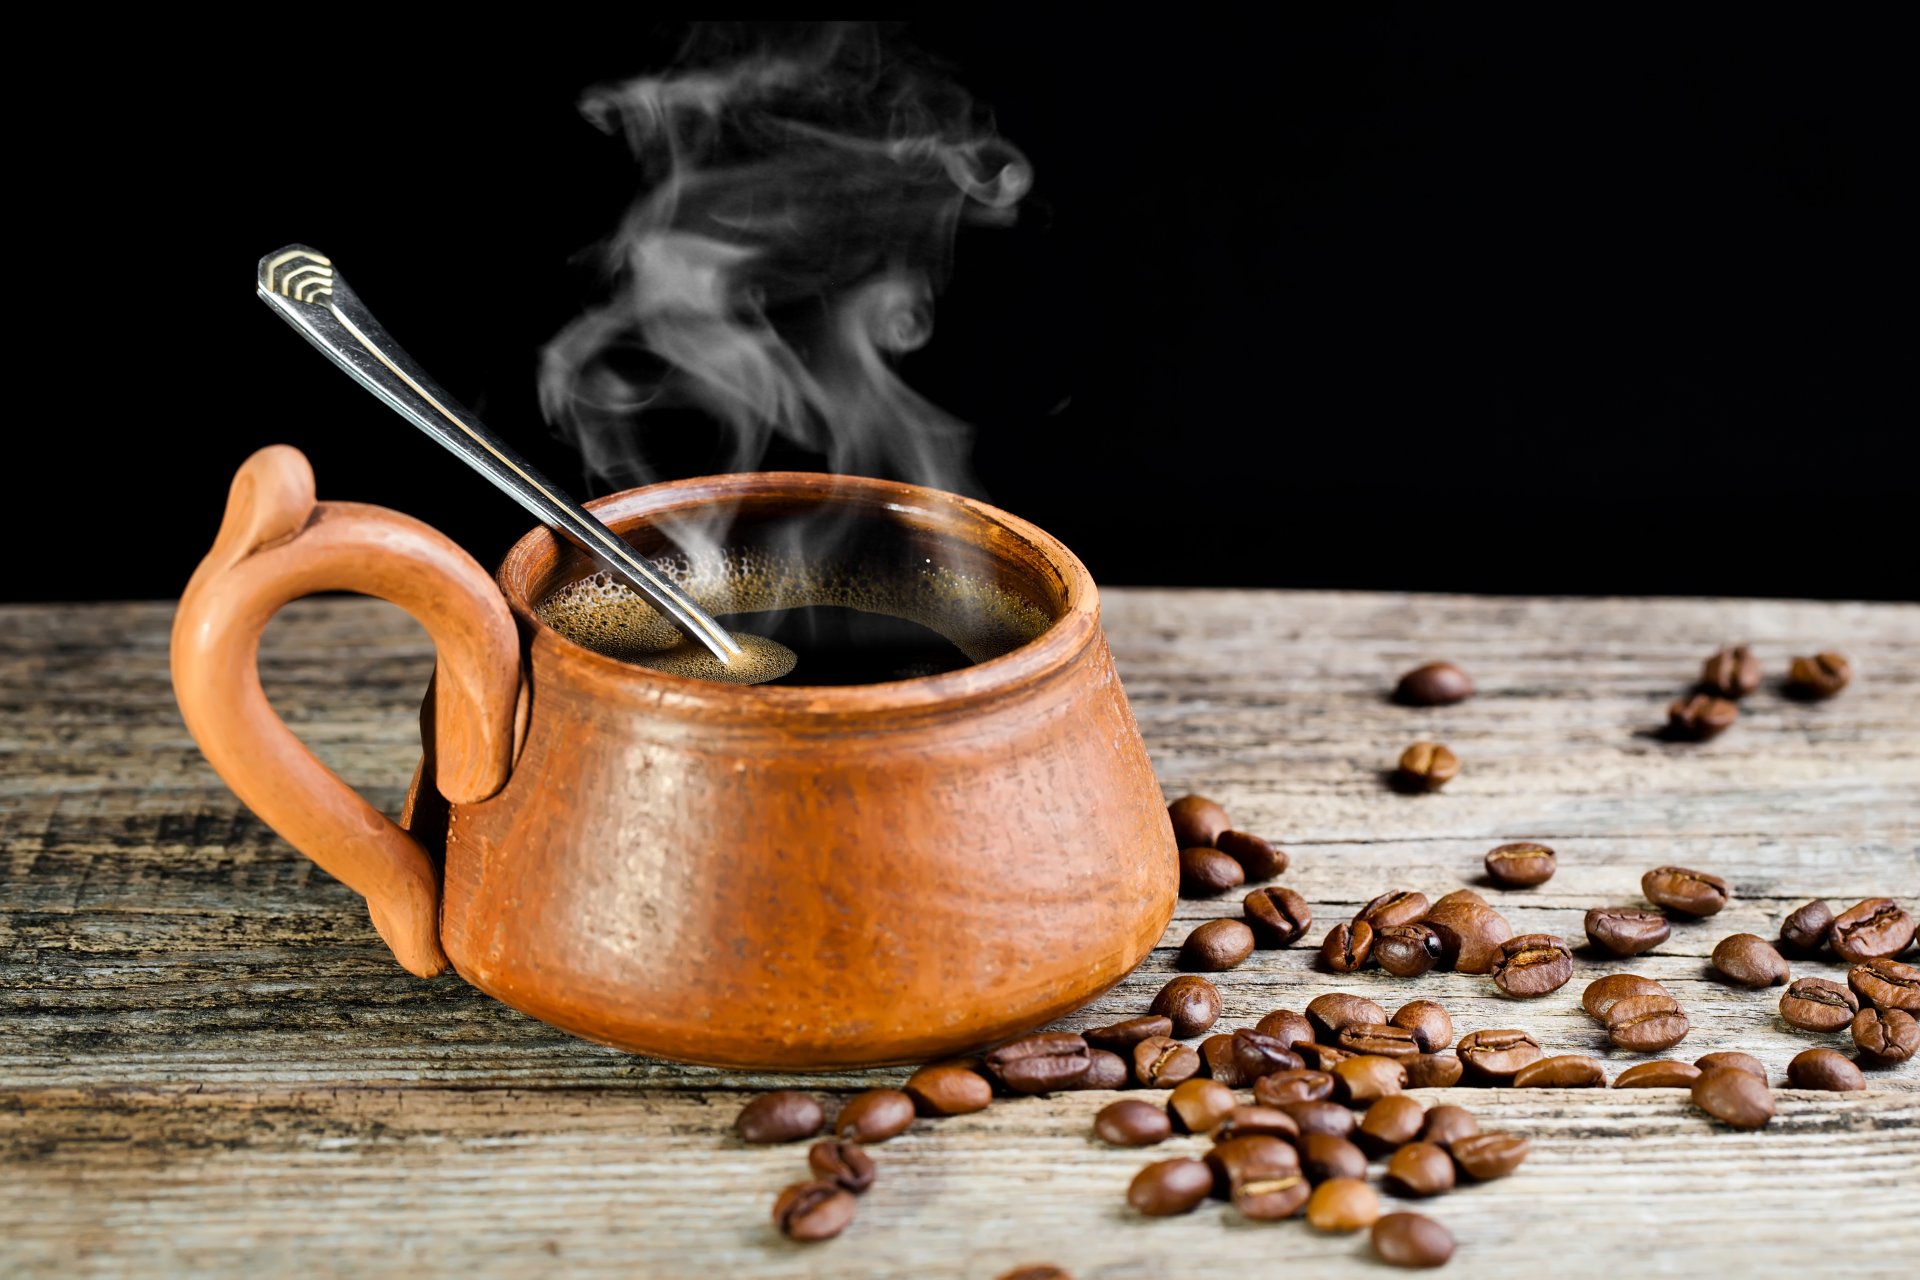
(212, 1066)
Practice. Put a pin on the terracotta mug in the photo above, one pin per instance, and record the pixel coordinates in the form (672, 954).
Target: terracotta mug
(790, 877)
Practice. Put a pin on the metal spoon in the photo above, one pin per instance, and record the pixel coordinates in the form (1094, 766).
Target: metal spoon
(301, 285)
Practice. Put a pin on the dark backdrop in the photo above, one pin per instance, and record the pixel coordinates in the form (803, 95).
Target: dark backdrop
(1407, 297)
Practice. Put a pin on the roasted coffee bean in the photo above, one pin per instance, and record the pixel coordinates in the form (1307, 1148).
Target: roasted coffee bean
(1806, 929)
(1283, 1087)
(1699, 717)
(1318, 1116)
(1429, 1021)
(1338, 1009)
(842, 1163)
(1734, 1060)
(1749, 960)
(785, 1115)
(1347, 946)
(1386, 1039)
(1391, 1122)
(1208, 873)
(1329, 1155)
(1321, 1057)
(1647, 1024)
(1432, 1071)
(1040, 1063)
(1197, 821)
(1216, 946)
(874, 1116)
(1459, 896)
(1486, 1156)
(1218, 1063)
(1532, 964)
(1521, 865)
(1871, 930)
(809, 1211)
(1132, 1123)
(1443, 1124)
(1406, 950)
(1039, 1271)
(1260, 1175)
(1367, 1078)
(1821, 676)
(1433, 684)
(1732, 673)
(1271, 1198)
(1256, 1121)
(1887, 984)
(1601, 994)
(1411, 1240)
(1470, 933)
(1814, 1004)
(1735, 1097)
(1825, 1069)
(1395, 906)
(1887, 1037)
(1343, 1204)
(1120, 1037)
(1279, 917)
(1426, 766)
(1195, 1106)
(1288, 1027)
(1564, 1071)
(1419, 1169)
(1161, 1063)
(1170, 1186)
(1626, 931)
(1658, 1075)
(1691, 893)
(1191, 1002)
(1258, 1054)
(1492, 1057)
(1105, 1070)
(1259, 858)
(948, 1091)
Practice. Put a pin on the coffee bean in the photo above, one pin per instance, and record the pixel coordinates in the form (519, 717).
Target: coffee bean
(1286, 1026)
(1367, 1078)
(1347, 947)
(1132, 1123)
(1700, 717)
(1887, 984)
(1040, 1271)
(1806, 929)
(1492, 1057)
(1328, 1119)
(1216, 946)
(1429, 1021)
(1278, 917)
(1732, 673)
(1426, 766)
(1321, 1057)
(1432, 1071)
(1258, 1054)
(874, 1116)
(1814, 1004)
(1283, 1087)
(1733, 1060)
(1259, 858)
(1342, 1204)
(1825, 1069)
(1691, 893)
(1195, 1106)
(1521, 865)
(1161, 1063)
(1218, 1063)
(948, 1091)
(1486, 1156)
(1647, 1024)
(810, 1211)
(1419, 1169)
(1443, 1124)
(785, 1115)
(1324, 1156)
(842, 1163)
(1602, 993)
(1532, 965)
(1734, 1097)
(1120, 1037)
(1434, 684)
(1887, 1037)
(1411, 1240)
(1105, 1070)
(1821, 676)
(1406, 950)
(1459, 896)
(1749, 961)
(1040, 1063)
(1391, 1122)
(1395, 906)
(1191, 1002)
(1871, 930)
(1565, 1071)
(1197, 821)
(1208, 873)
(1470, 933)
(1339, 1009)
(1170, 1186)
(1256, 1121)
(1386, 1039)
(1260, 1175)
(1658, 1075)
(1626, 931)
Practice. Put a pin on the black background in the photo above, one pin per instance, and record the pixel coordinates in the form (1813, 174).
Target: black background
(1528, 300)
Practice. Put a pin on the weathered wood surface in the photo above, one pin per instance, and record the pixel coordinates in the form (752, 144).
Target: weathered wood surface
(210, 1065)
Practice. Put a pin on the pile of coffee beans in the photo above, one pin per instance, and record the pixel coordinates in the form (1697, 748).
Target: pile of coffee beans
(1734, 672)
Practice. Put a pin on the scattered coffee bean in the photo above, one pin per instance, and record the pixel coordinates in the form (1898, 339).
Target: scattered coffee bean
(1806, 929)
(1191, 1002)
(1887, 984)
(1521, 865)
(1429, 1021)
(1208, 873)
(1328, 1119)
(1367, 1078)
(874, 1116)
(1040, 1063)
(1347, 946)
(1691, 893)
(810, 1211)
(1426, 766)
(1733, 1060)
(1105, 1070)
(1406, 950)
(1700, 717)
(1434, 684)
(1411, 1240)
(1887, 1037)
(1647, 1024)
(1391, 1122)
(1814, 1004)
(1196, 821)
(1386, 1040)
(1732, 673)
(1259, 858)
(1749, 961)
(1218, 1063)
(1444, 1124)
(842, 1163)
(1278, 916)
(1665, 1074)
(1161, 1063)
(1324, 1156)
(1120, 1037)
(1821, 676)
(948, 1091)
(1486, 1156)
(1871, 930)
(1419, 1169)
(1216, 946)
(1256, 1121)
(1342, 1205)
(1459, 896)
(1288, 1027)
(1283, 1087)
(1258, 1054)
(1260, 1175)
(1564, 1071)
(1470, 933)
(785, 1115)
(1825, 1069)
(1195, 1106)
(1626, 931)
(1321, 1057)
(1395, 906)
(1603, 993)
(1132, 1123)
(1170, 1186)
(1492, 1057)
(1734, 1097)
(1432, 1071)
(1532, 965)
(1337, 1009)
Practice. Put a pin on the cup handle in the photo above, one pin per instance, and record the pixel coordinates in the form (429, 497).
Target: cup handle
(277, 544)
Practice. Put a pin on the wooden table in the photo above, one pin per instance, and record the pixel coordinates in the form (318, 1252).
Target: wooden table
(210, 1065)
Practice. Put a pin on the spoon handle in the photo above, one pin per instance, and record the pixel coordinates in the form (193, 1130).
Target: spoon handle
(301, 285)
